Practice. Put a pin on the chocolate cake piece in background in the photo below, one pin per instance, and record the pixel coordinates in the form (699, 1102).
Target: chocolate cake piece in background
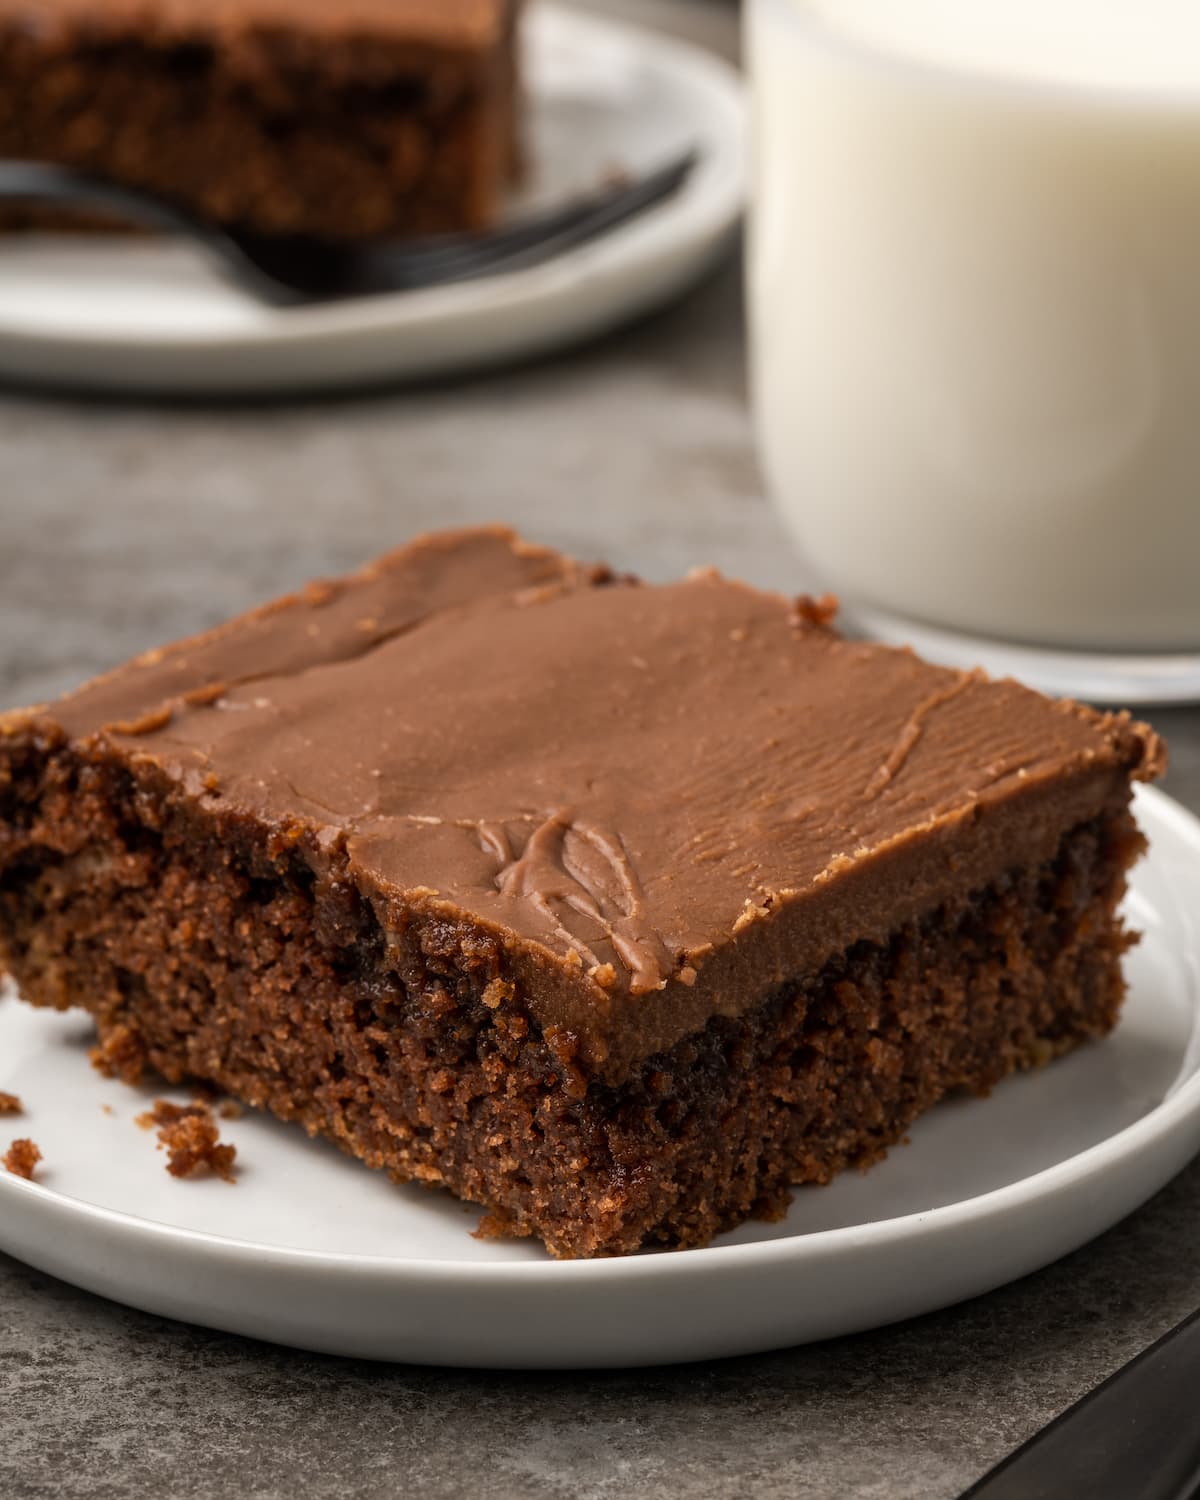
(347, 119)
(617, 909)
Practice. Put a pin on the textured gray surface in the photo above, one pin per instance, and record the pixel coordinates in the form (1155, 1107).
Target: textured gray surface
(121, 526)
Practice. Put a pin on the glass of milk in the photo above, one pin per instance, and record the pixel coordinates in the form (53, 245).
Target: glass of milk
(975, 294)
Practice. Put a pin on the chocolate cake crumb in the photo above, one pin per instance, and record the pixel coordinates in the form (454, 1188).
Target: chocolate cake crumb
(21, 1158)
(119, 1054)
(807, 610)
(10, 1104)
(190, 1136)
(164, 1112)
(772, 1208)
(193, 1145)
(500, 1226)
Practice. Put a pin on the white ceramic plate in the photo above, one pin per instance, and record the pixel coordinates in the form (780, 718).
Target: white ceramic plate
(309, 1249)
(1122, 677)
(121, 315)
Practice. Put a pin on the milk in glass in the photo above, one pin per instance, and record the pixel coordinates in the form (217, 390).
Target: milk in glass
(975, 278)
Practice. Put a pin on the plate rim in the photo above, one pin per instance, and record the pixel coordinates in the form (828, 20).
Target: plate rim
(703, 213)
(1138, 679)
(1178, 1105)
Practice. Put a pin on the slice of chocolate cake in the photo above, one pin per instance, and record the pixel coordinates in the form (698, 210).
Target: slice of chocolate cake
(345, 118)
(617, 909)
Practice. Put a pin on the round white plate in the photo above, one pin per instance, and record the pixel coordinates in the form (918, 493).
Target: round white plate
(121, 315)
(309, 1249)
(1122, 677)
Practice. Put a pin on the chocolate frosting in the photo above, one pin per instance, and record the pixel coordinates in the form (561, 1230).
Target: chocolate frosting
(663, 800)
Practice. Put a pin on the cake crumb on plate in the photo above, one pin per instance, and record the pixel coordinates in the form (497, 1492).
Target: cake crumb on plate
(119, 1054)
(21, 1158)
(191, 1139)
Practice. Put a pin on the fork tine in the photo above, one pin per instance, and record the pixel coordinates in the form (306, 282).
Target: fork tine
(476, 255)
(619, 209)
(536, 227)
(447, 246)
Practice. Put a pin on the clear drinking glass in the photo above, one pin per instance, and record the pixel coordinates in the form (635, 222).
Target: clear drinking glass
(975, 305)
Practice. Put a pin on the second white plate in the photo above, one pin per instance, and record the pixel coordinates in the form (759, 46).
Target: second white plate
(124, 315)
(309, 1249)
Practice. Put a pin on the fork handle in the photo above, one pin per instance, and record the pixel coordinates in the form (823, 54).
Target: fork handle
(1136, 1437)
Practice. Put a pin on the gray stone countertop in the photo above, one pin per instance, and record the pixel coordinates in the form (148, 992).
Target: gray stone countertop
(123, 525)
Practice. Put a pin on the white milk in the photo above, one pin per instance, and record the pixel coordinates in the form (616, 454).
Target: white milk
(975, 277)
(1108, 44)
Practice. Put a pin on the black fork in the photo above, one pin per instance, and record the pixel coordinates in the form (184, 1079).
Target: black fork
(285, 269)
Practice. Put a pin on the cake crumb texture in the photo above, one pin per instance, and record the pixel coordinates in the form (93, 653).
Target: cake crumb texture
(119, 1054)
(10, 1104)
(21, 1158)
(191, 1138)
